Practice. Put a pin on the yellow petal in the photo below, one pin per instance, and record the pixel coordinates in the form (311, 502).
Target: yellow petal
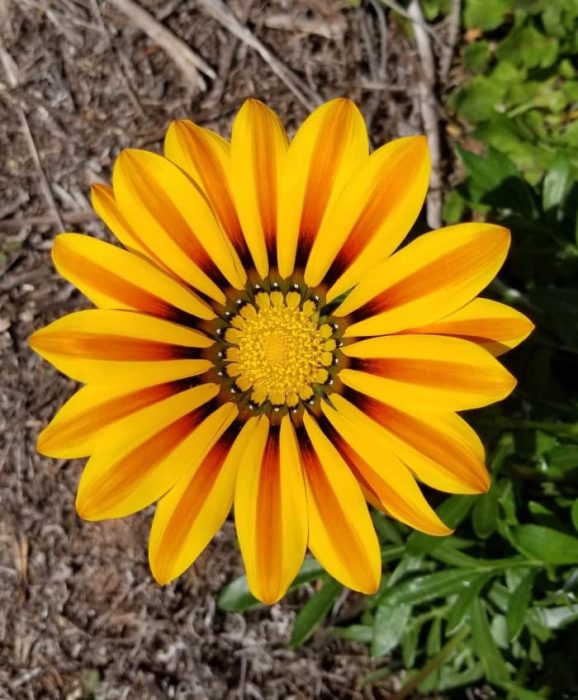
(205, 156)
(187, 518)
(105, 205)
(116, 279)
(131, 349)
(372, 215)
(381, 472)
(76, 429)
(142, 457)
(176, 222)
(428, 279)
(440, 448)
(494, 326)
(432, 372)
(258, 149)
(341, 534)
(271, 510)
(326, 151)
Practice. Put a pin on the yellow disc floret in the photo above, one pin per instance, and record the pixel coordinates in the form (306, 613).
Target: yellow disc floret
(278, 349)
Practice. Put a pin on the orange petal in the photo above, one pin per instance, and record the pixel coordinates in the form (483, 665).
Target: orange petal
(430, 371)
(380, 472)
(326, 151)
(76, 429)
(427, 280)
(341, 534)
(105, 205)
(271, 510)
(258, 149)
(439, 448)
(187, 518)
(372, 215)
(141, 459)
(123, 347)
(116, 279)
(496, 327)
(176, 222)
(205, 156)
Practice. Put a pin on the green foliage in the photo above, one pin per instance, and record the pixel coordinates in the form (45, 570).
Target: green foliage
(520, 87)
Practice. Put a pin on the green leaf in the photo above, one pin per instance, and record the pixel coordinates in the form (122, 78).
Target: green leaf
(553, 618)
(485, 514)
(556, 182)
(518, 605)
(545, 544)
(476, 56)
(564, 457)
(574, 514)
(425, 588)
(485, 14)
(494, 665)
(456, 615)
(363, 634)
(388, 628)
(236, 597)
(314, 611)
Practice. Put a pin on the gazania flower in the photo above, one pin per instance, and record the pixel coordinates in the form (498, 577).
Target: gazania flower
(257, 341)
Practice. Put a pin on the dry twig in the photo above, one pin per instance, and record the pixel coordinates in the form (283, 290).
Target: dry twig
(222, 14)
(189, 62)
(453, 33)
(427, 102)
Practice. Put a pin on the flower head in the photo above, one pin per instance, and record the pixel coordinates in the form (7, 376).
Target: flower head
(258, 341)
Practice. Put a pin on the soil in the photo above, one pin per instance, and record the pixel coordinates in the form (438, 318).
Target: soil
(80, 616)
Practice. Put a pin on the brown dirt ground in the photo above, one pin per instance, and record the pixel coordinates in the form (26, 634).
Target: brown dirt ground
(80, 616)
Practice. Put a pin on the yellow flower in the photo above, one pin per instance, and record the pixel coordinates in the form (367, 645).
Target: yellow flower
(259, 342)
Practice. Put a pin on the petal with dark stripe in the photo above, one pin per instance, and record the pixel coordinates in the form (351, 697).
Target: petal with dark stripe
(125, 347)
(271, 509)
(77, 428)
(175, 221)
(372, 215)
(427, 280)
(258, 150)
(190, 514)
(326, 151)
(106, 206)
(440, 448)
(381, 473)
(432, 372)
(140, 459)
(495, 327)
(116, 279)
(341, 534)
(205, 156)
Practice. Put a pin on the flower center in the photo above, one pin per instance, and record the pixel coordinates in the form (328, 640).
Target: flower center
(277, 349)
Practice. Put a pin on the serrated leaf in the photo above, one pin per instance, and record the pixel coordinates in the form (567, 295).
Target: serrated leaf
(388, 628)
(314, 611)
(518, 605)
(545, 544)
(236, 597)
(486, 648)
